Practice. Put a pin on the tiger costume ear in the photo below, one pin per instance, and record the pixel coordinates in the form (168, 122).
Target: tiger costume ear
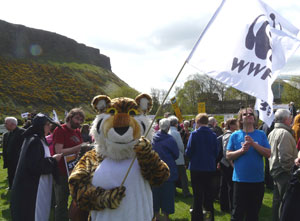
(100, 103)
(144, 101)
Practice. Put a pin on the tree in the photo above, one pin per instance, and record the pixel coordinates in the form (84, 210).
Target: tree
(199, 88)
(155, 93)
(221, 90)
(158, 96)
(187, 97)
(291, 91)
(234, 94)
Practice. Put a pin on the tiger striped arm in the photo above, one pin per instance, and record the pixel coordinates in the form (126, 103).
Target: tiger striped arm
(87, 196)
(153, 168)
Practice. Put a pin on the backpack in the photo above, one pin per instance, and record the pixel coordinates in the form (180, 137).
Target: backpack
(290, 209)
(220, 147)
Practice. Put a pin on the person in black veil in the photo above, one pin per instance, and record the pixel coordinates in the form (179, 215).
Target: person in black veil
(32, 186)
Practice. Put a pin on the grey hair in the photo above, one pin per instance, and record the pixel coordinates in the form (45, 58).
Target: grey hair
(164, 124)
(173, 120)
(186, 122)
(281, 115)
(212, 120)
(11, 119)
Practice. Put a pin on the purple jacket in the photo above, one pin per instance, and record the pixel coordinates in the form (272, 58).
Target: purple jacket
(166, 147)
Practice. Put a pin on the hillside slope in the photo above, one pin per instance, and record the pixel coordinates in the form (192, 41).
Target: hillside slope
(29, 85)
(42, 71)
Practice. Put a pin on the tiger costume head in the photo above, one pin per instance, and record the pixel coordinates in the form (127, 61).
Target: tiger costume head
(119, 124)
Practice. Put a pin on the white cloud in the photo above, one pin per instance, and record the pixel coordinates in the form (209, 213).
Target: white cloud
(147, 41)
(179, 34)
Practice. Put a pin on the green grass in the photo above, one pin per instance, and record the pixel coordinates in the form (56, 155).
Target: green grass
(182, 205)
(4, 194)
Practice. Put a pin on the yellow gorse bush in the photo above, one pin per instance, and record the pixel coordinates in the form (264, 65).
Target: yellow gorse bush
(45, 86)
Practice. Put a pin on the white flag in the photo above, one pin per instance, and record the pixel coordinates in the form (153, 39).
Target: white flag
(55, 117)
(265, 111)
(25, 115)
(244, 46)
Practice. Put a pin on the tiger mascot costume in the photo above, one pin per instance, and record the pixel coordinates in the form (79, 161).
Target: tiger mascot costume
(95, 182)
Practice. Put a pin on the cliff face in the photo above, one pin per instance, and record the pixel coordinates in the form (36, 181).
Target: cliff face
(41, 71)
(18, 41)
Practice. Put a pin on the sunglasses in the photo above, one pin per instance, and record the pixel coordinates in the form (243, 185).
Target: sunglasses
(248, 114)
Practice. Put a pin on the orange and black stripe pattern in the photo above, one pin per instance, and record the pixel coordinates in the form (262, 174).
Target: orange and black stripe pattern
(87, 196)
(153, 168)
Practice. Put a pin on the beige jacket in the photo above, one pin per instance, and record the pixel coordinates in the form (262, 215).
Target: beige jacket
(283, 149)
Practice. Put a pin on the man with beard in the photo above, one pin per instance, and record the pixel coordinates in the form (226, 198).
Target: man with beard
(67, 140)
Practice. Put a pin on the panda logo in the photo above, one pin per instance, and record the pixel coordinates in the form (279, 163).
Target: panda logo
(259, 37)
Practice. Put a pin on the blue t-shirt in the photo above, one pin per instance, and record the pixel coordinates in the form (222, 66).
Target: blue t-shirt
(249, 167)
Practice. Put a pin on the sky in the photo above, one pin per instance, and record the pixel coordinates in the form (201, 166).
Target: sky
(147, 41)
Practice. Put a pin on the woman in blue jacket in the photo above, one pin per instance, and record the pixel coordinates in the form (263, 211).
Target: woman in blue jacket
(166, 147)
(202, 151)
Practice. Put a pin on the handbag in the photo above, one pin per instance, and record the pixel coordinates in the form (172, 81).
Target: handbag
(77, 214)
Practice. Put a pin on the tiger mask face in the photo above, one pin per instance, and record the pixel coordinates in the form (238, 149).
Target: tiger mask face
(119, 124)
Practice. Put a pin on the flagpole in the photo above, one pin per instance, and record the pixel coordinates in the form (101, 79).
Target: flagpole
(205, 29)
(246, 119)
(186, 61)
(158, 110)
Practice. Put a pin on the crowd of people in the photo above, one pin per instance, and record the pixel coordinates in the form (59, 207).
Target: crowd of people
(33, 158)
(229, 163)
(232, 163)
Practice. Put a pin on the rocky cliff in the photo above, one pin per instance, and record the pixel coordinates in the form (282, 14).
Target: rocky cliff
(18, 41)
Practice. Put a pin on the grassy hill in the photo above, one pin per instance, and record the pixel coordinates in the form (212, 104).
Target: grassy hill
(28, 85)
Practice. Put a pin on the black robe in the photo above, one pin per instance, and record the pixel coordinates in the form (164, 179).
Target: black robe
(31, 166)
(290, 209)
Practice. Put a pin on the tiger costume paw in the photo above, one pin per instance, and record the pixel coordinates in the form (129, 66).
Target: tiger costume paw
(112, 198)
(143, 146)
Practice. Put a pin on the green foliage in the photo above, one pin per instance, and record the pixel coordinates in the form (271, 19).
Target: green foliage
(291, 93)
(233, 94)
(1, 119)
(5, 195)
(29, 85)
(188, 96)
(155, 105)
(158, 96)
(219, 119)
(124, 91)
(199, 88)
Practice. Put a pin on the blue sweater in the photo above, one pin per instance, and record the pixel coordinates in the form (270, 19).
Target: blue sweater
(202, 150)
(249, 167)
(166, 147)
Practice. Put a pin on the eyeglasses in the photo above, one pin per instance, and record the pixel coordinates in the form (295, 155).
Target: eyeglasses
(248, 114)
